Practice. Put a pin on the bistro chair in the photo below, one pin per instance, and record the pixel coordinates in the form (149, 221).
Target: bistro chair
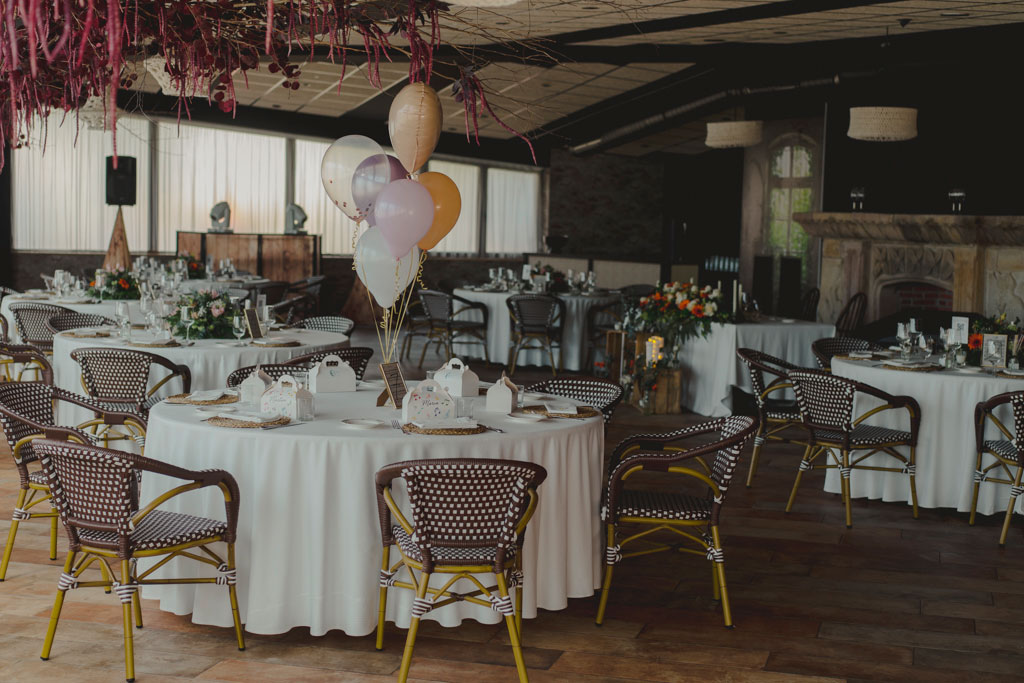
(775, 415)
(1004, 451)
(119, 378)
(833, 433)
(537, 317)
(469, 517)
(809, 304)
(852, 316)
(4, 330)
(26, 412)
(446, 327)
(826, 349)
(74, 320)
(416, 324)
(328, 323)
(18, 359)
(600, 393)
(95, 493)
(601, 320)
(673, 511)
(4, 291)
(274, 290)
(357, 356)
(310, 286)
(273, 370)
(30, 321)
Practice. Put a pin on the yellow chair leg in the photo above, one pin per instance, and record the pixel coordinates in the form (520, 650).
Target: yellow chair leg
(756, 455)
(53, 538)
(107, 576)
(383, 601)
(606, 584)
(846, 488)
(519, 603)
(913, 483)
(513, 633)
(974, 492)
(414, 626)
(10, 536)
(58, 603)
(720, 569)
(233, 597)
(799, 476)
(129, 642)
(1009, 508)
(716, 592)
(137, 608)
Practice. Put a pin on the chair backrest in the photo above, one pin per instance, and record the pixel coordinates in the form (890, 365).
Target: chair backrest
(986, 409)
(74, 320)
(825, 400)
(16, 359)
(825, 349)
(25, 409)
(121, 376)
(809, 305)
(30, 320)
(4, 330)
(852, 316)
(538, 313)
(758, 363)
(438, 306)
(600, 393)
(465, 502)
(328, 323)
(308, 285)
(358, 357)
(273, 370)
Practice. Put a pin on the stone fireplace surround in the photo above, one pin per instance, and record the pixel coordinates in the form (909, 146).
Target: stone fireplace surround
(980, 259)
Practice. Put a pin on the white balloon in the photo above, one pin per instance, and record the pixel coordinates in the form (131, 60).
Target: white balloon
(339, 165)
(383, 275)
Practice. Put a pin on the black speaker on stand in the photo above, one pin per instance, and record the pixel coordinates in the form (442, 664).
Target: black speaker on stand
(764, 283)
(790, 268)
(121, 181)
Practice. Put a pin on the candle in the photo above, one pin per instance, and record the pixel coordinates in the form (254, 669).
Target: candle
(734, 296)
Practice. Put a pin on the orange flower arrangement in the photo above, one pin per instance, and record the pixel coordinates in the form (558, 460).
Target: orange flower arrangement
(124, 283)
(698, 311)
(974, 341)
(683, 304)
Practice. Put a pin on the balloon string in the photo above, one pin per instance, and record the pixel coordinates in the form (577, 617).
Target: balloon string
(404, 307)
(369, 298)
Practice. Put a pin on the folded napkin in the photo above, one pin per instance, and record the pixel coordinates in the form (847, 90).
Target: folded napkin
(894, 348)
(273, 340)
(860, 354)
(209, 395)
(560, 409)
(248, 416)
(457, 423)
(908, 363)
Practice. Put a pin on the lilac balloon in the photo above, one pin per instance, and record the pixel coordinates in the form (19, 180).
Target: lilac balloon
(404, 212)
(371, 177)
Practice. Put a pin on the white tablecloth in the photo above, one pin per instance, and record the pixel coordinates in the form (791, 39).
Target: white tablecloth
(499, 329)
(105, 308)
(946, 449)
(711, 367)
(309, 547)
(221, 285)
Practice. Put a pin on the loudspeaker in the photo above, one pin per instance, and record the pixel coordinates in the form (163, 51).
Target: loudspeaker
(789, 286)
(763, 282)
(121, 181)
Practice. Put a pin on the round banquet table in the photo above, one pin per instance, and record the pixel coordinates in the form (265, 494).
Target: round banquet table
(499, 329)
(221, 285)
(309, 546)
(946, 449)
(78, 304)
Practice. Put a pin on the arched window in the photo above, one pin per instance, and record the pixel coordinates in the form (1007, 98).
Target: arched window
(792, 163)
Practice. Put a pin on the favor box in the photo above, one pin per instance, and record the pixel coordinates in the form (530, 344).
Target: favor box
(503, 397)
(251, 389)
(428, 401)
(287, 399)
(332, 375)
(457, 379)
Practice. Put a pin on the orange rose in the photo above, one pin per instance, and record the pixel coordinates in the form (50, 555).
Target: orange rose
(92, 283)
(683, 304)
(698, 311)
(974, 341)
(124, 283)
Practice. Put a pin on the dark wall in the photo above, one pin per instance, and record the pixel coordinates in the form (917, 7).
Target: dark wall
(703, 197)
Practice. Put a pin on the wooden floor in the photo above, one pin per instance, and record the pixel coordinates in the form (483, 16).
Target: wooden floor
(893, 599)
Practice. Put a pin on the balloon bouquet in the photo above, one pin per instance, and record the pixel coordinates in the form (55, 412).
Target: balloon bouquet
(406, 213)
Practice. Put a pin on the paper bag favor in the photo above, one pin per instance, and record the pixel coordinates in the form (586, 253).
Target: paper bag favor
(280, 399)
(503, 397)
(332, 375)
(457, 379)
(428, 402)
(251, 389)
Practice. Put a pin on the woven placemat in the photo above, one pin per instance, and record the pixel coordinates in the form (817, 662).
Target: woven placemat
(581, 412)
(927, 368)
(1008, 376)
(154, 345)
(246, 424)
(87, 335)
(276, 346)
(874, 356)
(183, 399)
(410, 428)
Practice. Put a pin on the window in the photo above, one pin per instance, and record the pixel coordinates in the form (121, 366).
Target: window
(790, 187)
(512, 201)
(465, 236)
(325, 219)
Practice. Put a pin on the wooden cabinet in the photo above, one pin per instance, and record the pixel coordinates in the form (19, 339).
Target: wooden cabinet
(276, 257)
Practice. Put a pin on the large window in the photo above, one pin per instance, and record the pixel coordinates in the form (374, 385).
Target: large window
(465, 236)
(512, 216)
(790, 187)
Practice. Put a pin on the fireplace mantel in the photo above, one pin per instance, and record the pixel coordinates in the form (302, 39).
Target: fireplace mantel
(920, 228)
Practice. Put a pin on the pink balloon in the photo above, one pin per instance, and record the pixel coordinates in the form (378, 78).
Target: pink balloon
(371, 177)
(404, 213)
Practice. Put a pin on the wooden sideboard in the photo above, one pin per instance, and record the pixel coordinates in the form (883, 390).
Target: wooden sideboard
(276, 257)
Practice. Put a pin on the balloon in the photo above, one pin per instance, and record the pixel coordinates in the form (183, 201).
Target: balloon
(414, 124)
(383, 275)
(372, 176)
(404, 213)
(447, 206)
(338, 166)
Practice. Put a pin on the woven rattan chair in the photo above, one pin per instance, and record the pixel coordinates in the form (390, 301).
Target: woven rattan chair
(671, 511)
(809, 304)
(357, 356)
(825, 349)
(18, 359)
(273, 370)
(775, 415)
(94, 495)
(1004, 451)
(328, 323)
(75, 320)
(119, 378)
(445, 325)
(539, 318)
(30, 320)
(4, 291)
(833, 433)
(26, 412)
(601, 320)
(852, 316)
(469, 517)
(600, 393)
(4, 330)
(416, 324)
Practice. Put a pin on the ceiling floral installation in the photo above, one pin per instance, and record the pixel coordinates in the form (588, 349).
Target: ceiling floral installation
(56, 54)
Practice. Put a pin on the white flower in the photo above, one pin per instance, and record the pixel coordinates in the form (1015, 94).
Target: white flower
(693, 302)
(710, 307)
(715, 293)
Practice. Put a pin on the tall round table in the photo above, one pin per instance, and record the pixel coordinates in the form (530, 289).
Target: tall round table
(946, 449)
(309, 544)
(499, 329)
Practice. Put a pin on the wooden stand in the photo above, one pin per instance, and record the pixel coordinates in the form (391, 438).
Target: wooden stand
(118, 256)
(667, 395)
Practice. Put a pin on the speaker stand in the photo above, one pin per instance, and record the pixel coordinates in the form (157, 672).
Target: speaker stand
(118, 257)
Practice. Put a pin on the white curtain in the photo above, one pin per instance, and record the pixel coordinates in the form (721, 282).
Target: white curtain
(59, 186)
(199, 167)
(465, 236)
(512, 201)
(325, 219)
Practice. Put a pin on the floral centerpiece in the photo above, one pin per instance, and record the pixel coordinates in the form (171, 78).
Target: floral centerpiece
(195, 268)
(559, 283)
(211, 314)
(116, 284)
(996, 324)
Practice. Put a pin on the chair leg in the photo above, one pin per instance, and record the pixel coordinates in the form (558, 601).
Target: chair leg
(107, 576)
(513, 633)
(720, 568)
(606, 584)
(383, 601)
(233, 597)
(519, 601)
(913, 481)
(758, 443)
(805, 464)
(423, 354)
(10, 536)
(716, 591)
(53, 537)
(129, 641)
(414, 626)
(515, 356)
(974, 492)
(1009, 506)
(845, 474)
(58, 603)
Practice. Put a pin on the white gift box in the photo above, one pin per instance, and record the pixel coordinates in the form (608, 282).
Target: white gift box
(457, 379)
(503, 397)
(428, 402)
(332, 375)
(282, 398)
(251, 389)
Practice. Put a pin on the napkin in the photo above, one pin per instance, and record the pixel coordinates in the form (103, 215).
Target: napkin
(210, 395)
(908, 363)
(273, 340)
(860, 354)
(560, 409)
(248, 415)
(457, 423)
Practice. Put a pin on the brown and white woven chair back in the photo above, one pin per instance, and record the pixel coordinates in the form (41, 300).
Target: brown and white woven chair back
(536, 313)
(723, 466)
(825, 349)
(437, 305)
(5, 332)
(358, 357)
(852, 316)
(273, 370)
(30, 320)
(328, 323)
(825, 400)
(758, 363)
(75, 320)
(115, 375)
(593, 391)
(20, 403)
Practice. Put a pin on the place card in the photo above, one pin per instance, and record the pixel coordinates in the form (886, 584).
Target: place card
(394, 384)
(252, 321)
(993, 351)
(961, 329)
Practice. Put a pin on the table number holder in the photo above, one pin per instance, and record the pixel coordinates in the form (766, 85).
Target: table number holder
(252, 322)
(993, 351)
(394, 385)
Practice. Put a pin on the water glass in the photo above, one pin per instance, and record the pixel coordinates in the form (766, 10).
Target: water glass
(238, 328)
(961, 356)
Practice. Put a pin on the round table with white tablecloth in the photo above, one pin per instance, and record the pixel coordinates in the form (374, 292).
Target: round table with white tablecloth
(499, 329)
(222, 284)
(946, 449)
(309, 541)
(77, 304)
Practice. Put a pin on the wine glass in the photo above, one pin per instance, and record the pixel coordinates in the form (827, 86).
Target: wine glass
(238, 328)
(146, 307)
(186, 319)
(123, 318)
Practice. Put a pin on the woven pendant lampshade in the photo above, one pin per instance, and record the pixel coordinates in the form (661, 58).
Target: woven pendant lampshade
(883, 124)
(727, 134)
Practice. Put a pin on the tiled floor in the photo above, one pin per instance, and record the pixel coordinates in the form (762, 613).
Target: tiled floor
(892, 599)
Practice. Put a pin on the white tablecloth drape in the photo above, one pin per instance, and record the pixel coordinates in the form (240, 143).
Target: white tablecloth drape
(499, 329)
(309, 544)
(105, 308)
(946, 449)
(222, 285)
(711, 367)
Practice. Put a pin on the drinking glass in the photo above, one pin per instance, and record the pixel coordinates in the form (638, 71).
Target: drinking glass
(961, 356)
(264, 314)
(146, 307)
(186, 319)
(906, 348)
(123, 318)
(238, 328)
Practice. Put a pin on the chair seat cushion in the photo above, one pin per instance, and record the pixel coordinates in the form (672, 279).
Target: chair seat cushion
(865, 435)
(1005, 449)
(662, 505)
(447, 555)
(160, 529)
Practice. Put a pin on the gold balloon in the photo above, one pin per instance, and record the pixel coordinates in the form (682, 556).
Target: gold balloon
(414, 124)
(447, 207)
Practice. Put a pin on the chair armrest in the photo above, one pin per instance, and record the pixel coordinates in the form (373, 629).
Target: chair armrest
(199, 479)
(111, 417)
(27, 354)
(892, 402)
(658, 440)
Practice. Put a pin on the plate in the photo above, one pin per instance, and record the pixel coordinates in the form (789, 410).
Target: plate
(528, 417)
(215, 410)
(362, 423)
(969, 369)
(1013, 373)
(787, 320)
